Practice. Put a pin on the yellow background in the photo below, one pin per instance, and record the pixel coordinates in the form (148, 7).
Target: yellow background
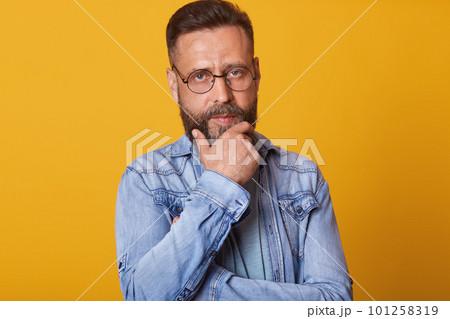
(376, 105)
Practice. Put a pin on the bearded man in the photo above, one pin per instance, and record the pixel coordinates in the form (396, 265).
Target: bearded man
(223, 214)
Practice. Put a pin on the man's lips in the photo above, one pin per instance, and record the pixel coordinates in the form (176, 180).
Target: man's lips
(225, 119)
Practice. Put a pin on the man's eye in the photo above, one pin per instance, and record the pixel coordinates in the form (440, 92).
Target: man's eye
(200, 76)
(235, 73)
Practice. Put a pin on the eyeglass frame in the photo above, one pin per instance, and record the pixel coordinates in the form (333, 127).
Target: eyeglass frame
(185, 81)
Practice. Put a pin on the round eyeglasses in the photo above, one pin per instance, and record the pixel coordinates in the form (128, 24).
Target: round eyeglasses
(201, 81)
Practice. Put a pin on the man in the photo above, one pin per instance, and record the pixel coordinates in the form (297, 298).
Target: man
(222, 214)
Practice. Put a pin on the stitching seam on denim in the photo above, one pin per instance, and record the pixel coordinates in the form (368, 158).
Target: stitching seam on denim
(216, 284)
(207, 258)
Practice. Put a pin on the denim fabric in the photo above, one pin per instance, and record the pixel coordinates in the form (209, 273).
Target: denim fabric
(158, 260)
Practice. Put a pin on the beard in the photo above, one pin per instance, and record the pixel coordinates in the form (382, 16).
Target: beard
(213, 131)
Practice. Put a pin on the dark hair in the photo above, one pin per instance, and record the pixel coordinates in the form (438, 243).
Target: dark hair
(206, 14)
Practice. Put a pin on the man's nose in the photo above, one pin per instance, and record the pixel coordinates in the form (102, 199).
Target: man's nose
(221, 92)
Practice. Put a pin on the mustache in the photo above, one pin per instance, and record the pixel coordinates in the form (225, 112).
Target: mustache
(223, 108)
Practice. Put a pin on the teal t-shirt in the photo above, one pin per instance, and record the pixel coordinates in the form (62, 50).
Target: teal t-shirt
(245, 251)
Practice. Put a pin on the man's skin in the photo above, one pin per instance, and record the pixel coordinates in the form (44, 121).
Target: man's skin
(216, 50)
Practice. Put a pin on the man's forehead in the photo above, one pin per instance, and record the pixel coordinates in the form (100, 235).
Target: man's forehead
(220, 46)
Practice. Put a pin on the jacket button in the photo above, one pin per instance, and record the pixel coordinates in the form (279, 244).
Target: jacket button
(277, 275)
(179, 209)
(299, 209)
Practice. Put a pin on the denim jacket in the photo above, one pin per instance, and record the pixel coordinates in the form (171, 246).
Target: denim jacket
(158, 260)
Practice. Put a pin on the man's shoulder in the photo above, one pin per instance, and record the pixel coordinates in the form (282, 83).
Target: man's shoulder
(284, 159)
(164, 160)
(290, 170)
(288, 160)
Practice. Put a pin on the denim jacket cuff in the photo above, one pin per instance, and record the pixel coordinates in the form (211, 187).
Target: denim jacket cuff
(224, 192)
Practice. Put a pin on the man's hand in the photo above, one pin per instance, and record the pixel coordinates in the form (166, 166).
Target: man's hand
(232, 154)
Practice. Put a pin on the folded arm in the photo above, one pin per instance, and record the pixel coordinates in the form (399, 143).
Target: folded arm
(324, 274)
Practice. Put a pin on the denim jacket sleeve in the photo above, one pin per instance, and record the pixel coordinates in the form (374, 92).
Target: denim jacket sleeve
(325, 274)
(161, 261)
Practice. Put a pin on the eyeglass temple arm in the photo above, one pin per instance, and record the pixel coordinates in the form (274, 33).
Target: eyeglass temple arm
(176, 70)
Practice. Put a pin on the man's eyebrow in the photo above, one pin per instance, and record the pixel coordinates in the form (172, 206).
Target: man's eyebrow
(224, 68)
(234, 65)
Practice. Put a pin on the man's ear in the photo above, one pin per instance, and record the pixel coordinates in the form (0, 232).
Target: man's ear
(257, 73)
(172, 79)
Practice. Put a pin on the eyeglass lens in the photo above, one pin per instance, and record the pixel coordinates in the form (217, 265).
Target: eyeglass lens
(237, 79)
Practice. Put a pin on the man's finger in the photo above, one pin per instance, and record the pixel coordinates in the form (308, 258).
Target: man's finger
(200, 139)
(175, 219)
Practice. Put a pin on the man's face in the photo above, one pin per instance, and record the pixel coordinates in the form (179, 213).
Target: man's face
(216, 50)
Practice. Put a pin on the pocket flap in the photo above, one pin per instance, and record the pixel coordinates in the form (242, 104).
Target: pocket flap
(173, 202)
(298, 205)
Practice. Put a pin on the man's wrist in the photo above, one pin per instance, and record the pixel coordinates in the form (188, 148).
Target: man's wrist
(223, 191)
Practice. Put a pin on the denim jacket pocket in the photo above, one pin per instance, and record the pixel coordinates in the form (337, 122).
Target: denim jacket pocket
(174, 202)
(299, 205)
(295, 210)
